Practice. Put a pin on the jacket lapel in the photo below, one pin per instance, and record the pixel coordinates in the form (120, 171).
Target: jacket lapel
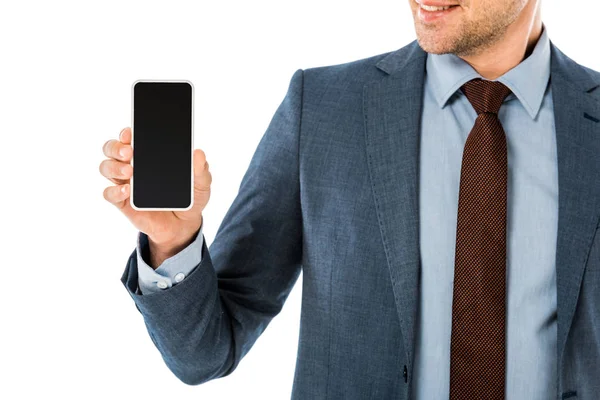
(576, 112)
(392, 112)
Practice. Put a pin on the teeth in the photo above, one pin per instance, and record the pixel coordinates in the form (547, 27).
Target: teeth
(433, 8)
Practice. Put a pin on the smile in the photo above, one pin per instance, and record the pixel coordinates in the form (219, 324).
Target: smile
(428, 5)
(434, 10)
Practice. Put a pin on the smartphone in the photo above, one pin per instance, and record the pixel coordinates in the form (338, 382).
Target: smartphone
(163, 143)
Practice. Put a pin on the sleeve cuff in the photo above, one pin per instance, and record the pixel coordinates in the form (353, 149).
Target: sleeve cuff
(172, 271)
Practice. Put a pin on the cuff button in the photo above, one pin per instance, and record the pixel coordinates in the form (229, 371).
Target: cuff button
(162, 284)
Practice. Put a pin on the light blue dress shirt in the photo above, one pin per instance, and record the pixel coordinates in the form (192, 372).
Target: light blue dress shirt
(172, 271)
(532, 217)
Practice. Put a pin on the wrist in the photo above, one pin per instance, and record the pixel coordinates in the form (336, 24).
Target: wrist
(171, 247)
(160, 251)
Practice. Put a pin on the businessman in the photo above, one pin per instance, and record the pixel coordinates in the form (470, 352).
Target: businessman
(443, 203)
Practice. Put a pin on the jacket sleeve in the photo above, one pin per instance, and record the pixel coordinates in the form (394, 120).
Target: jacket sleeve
(204, 325)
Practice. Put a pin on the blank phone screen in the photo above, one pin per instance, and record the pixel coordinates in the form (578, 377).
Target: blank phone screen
(162, 145)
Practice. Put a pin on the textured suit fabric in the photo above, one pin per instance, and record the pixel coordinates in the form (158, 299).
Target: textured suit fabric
(332, 190)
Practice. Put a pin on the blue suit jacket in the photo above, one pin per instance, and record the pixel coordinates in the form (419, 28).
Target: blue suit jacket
(332, 190)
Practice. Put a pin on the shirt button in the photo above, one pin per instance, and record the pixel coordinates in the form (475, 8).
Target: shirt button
(162, 284)
(179, 277)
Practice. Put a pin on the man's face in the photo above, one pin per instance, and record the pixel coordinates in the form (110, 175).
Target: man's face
(467, 27)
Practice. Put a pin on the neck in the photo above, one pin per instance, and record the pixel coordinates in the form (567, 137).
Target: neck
(516, 45)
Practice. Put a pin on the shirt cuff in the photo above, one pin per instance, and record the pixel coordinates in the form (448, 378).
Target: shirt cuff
(172, 271)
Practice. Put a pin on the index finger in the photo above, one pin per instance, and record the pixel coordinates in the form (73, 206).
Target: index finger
(125, 136)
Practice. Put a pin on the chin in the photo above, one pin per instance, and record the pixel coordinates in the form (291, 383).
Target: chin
(434, 46)
(429, 38)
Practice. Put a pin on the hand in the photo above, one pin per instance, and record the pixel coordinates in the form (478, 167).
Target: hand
(168, 231)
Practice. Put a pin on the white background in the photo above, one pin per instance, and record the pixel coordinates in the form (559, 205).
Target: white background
(68, 327)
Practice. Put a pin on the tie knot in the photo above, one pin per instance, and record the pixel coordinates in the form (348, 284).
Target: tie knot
(485, 96)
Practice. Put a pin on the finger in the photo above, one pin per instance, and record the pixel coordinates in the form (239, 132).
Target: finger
(125, 136)
(117, 150)
(117, 195)
(113, 169)
(118, 181)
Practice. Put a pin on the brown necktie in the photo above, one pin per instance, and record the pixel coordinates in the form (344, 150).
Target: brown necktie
(477, 345)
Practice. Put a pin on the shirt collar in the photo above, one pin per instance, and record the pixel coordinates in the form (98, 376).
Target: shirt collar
(527, 81)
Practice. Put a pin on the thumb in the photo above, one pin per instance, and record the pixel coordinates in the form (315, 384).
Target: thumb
(202, 181)
(202, 177)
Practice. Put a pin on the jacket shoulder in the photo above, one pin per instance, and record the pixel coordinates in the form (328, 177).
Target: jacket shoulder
(355, 74)
(361, 69)
(578, 75)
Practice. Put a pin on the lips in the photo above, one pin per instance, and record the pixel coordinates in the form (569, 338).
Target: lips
(436, 3)
(432, 11)
(432, 5)
(434, 8)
